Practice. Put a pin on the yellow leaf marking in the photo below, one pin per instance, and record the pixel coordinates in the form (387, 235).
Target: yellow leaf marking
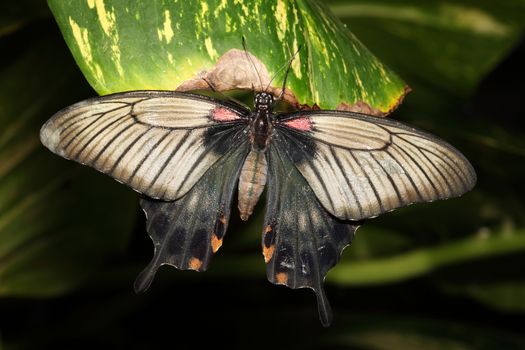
(281, 19)
(81, 36)
(220, 7)
(296, 64)
(166, 31)
(214, 55)
(108, 23)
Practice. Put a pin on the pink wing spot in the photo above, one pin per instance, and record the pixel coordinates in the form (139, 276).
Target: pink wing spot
(221, 114)
(301, 123)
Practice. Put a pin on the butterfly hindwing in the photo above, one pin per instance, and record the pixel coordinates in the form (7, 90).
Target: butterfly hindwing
(158, 142)
(301, 240)
(187, 232)
(360, 166)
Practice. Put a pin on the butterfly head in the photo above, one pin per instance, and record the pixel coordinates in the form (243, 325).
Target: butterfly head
(263, 101)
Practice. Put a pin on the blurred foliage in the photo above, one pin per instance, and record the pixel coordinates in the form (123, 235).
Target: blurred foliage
(453, 44)
(53, 231)
(15, 15)
(439, 275)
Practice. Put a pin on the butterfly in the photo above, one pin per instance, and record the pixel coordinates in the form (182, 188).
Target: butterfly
(325, 171)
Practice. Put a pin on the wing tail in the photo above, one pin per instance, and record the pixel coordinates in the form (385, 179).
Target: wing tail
(323, 305)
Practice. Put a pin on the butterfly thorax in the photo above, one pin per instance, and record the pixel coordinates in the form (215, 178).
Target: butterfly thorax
(261, 125)
(254, 171)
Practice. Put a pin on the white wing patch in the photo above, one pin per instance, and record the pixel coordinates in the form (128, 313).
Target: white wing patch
(356, 135)
(159, 111)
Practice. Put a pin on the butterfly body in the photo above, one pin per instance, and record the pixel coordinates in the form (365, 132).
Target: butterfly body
(324, 172)
(254, 171)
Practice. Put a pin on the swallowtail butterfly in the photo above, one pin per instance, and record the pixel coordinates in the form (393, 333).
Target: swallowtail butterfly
(324, 171)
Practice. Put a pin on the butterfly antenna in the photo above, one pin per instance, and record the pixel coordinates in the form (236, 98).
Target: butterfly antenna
(252, 63)
(210, 84)
(287, 66)
(225, 97)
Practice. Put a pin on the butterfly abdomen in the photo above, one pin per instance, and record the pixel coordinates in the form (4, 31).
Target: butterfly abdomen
(251, 182)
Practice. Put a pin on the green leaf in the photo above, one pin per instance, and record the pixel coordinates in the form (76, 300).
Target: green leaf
(59, 222)
(123, 46)
(421, 261)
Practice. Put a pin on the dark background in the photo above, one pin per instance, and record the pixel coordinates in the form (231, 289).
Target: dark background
(53, 295)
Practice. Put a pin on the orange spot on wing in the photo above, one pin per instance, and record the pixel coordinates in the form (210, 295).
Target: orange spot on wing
(268, 253)
(222, 219)
(268, 229)
(281, 278)
(195, 263)
(216, 243)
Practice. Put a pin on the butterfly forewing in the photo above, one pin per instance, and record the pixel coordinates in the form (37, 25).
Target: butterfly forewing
(159, 143)
(361, 166)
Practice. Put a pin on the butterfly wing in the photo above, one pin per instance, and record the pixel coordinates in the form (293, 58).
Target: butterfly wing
(188, 231)
(158, 142)
(301, 240)
(361, 166)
